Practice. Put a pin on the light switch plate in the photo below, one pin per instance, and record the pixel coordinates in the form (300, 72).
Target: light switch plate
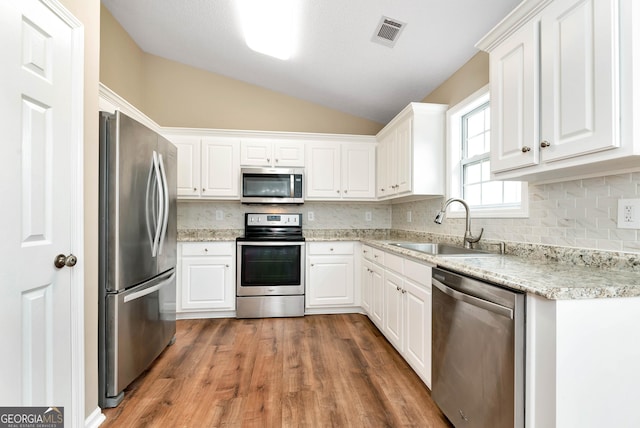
(628, 213)
(310, 216)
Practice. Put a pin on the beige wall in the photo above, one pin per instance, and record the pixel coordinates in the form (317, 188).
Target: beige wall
(88, 12)
(121, 60)
(464, 82)
(174, 94)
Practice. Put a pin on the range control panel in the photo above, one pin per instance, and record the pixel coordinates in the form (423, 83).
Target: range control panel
(273, 220)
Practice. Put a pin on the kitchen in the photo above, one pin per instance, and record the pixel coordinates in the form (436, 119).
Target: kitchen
(561, 213)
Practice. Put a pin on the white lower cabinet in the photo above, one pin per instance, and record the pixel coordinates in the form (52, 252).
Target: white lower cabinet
(393, 315)
(417, 334)
(400, 305)
(330, 275)
(206, 281)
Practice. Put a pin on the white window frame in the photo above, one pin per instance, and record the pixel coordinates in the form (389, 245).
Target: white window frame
(454, 171)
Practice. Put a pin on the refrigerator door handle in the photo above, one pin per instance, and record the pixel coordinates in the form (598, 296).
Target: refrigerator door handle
(149, 216)
(156, 237)
(147, 291)
(165, 217)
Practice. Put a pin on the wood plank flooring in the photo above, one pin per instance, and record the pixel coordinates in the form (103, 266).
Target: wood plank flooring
(315, 371)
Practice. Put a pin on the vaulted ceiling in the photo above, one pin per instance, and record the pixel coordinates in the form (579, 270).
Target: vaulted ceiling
(335, 62)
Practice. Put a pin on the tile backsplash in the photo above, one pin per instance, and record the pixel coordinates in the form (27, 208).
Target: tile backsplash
(579, 213)
(326, 215)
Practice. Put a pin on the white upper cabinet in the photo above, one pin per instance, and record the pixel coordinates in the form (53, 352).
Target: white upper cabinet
(411, 153)
(561, 77)
(270, 153)
(208, 167)
(220, 168)
(188, 165)
(338, 171)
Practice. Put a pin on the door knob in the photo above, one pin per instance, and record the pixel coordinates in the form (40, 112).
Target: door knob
(61, 261)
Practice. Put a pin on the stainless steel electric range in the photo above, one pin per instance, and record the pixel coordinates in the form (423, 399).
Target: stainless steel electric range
(270, 267)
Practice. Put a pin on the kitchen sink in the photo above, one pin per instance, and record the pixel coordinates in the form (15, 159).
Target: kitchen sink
(438, 249)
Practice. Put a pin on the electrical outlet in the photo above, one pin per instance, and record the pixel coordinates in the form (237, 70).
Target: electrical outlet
(367, 216)
(628, 213)
(219, 215)
(408, 216)
(310, 216)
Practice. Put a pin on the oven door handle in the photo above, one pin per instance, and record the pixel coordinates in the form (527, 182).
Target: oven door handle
(484, 304)
(271, 243)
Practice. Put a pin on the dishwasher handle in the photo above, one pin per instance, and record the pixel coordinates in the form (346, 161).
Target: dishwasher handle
(475, 301)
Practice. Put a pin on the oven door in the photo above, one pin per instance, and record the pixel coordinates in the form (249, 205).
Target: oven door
(270, 268)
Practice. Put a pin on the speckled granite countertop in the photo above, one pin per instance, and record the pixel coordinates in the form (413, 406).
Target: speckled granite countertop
(556, 273)
(548, 279)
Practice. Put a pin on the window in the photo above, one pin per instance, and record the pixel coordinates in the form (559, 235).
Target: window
(469, 124)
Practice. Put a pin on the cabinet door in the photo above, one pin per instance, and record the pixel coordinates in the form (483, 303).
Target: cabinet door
(323, 170)
(377, 296)
(358, 171)
(288, 154)
(207, 283)
(417, 322)
(188, 165)
(383, 188)
(221, 168)
(367, 279)
(331, 281)
(403, 157)
(579, 78)
(514, 100)
(256, 153)
(393, 314)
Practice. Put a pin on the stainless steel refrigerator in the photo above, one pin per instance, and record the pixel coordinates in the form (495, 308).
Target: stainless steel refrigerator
(137, 256)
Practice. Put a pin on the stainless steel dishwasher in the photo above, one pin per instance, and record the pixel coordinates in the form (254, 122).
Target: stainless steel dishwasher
(478, 352)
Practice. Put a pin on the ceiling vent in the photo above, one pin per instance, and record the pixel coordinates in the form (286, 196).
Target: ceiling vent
(388, 31)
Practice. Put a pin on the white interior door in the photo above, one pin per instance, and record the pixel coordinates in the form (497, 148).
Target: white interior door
(40, 305)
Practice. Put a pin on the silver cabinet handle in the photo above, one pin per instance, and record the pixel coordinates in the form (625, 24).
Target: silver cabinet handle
(544, 144)
(526, 149)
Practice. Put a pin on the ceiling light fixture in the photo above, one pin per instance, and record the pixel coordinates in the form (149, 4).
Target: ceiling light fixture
(270, 26)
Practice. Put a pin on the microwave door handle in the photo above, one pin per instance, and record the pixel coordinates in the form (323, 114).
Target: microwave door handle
(292, 183)
(165, 217)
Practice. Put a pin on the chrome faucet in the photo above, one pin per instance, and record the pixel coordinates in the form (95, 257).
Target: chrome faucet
(469, 239)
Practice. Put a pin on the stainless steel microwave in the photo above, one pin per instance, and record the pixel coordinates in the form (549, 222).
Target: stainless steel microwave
(272, 185)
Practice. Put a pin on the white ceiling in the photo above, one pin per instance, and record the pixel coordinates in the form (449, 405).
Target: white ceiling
(336, 64)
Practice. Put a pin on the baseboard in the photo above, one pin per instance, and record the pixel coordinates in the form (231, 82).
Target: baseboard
(95, 419)
(205, 314)
(334, 310)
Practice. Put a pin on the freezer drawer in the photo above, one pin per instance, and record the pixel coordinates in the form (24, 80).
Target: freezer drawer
(140, 323)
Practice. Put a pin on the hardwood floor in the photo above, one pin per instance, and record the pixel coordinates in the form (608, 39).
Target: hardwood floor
(315, 371)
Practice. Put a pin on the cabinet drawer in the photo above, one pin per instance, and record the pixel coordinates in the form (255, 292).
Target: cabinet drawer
(377, 256)
(329, 248)
(367, 252)
(393, 262)
(208, 249)
(418, 272)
